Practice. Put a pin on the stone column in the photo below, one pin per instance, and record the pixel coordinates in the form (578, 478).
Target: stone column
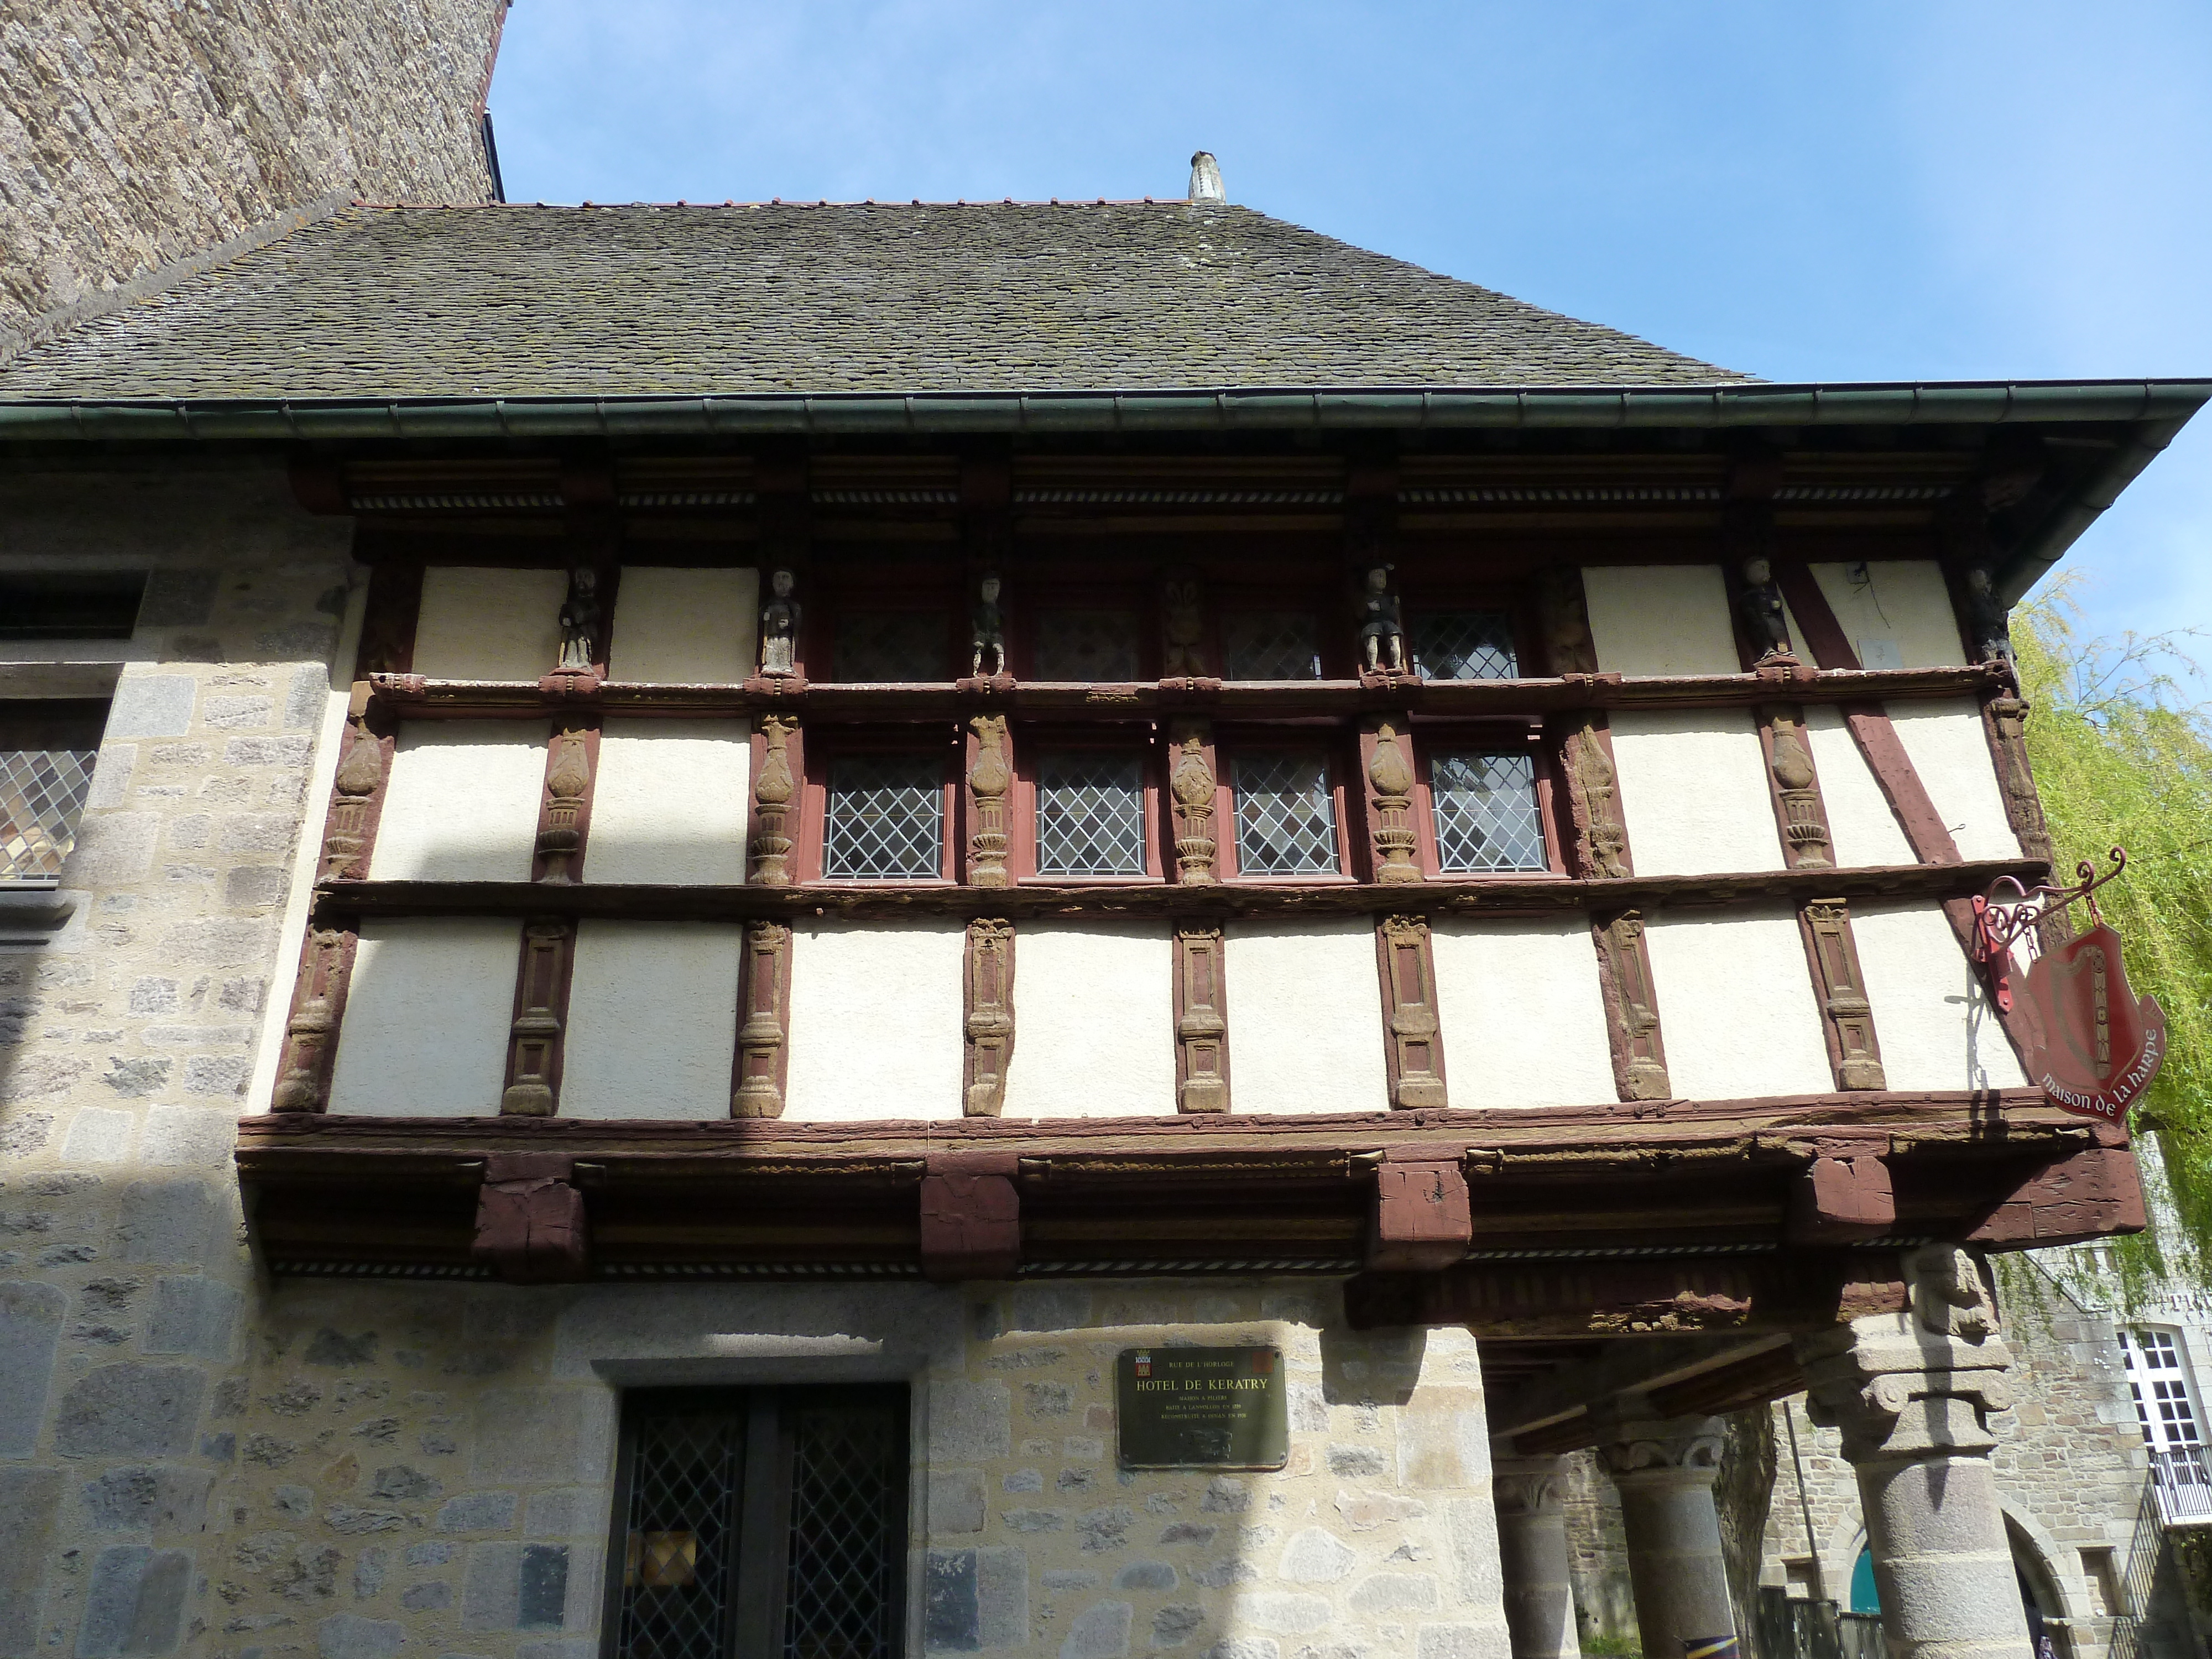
(1665, 1468)
(1911, 1393)
(1532, 1556)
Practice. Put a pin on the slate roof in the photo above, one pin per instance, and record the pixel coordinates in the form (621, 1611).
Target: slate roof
(516, 301)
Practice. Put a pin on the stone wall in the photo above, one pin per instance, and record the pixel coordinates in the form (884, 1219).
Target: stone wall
(137, 133)
(128, 1039)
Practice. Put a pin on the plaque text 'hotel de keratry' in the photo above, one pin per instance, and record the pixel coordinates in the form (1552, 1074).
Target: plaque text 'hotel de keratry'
(1216, 1408)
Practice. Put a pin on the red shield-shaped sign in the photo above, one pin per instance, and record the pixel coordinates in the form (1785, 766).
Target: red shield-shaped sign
(2093, 1046)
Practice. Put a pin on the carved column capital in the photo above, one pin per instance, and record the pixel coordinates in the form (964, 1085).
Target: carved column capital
(1527, 1485)
(1642, 1447)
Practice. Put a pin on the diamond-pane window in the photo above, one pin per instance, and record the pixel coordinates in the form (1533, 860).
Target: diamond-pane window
(42, 792)
(1486, 812)
(680, 1555)
(1090, 814)
(888, 647)
(1086, 645)
(840, 1592)
(1464, 645)
(1271, 645)
(1286, 816)
(885, 818)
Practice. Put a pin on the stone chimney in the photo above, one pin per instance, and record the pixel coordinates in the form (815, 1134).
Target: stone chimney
(1205, 178)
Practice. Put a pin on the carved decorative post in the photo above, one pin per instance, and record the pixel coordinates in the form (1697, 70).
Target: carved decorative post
(763, 1039)
(565, 817)
(1390, 773)
(1799, 811)
(1201, 1020)
(541, 1008)
(774, 787)
(990, 777)
(1846, 1014)
(303, 1079)
(1533, 1558)
(1594, 798)
(988, 977)
(1415, 1051)
(1191, 783)
(1640, 1058)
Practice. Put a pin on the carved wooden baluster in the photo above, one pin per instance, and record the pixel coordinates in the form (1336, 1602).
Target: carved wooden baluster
(1639, 1058)
(1201, 1021)
(1800, 813)
(990, 777)
(356, 791)
(763, 1040)
(541, 1008)
(1594, 798)
(1847, 1016)
(303, 1079)
(1415, 1052)
(564, 819)
(989, 978)
(1191, 785)
(1390, 773)
(774, 787)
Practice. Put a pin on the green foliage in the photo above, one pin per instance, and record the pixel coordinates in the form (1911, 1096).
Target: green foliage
(2120, 760)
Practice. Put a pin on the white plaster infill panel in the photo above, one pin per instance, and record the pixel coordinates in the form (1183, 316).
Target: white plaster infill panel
(479, 624)
(1736, 1009)
(876, 1019)
(1305, 1018)
(1949, 750)
(1903, 602)
(1936, 1028)
(1523, 1017)
(684, 627)
(1862, 829)
(1694, 791)
(1649, 619)
(653, 1020)
(669, 802)
(426, 1018)
(1094, 1023)
(461, 803)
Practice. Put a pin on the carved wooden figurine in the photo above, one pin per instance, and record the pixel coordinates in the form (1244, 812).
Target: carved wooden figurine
(1988, 621)
(1592, 790)
(1382, 624)
(772, 788)
(1191, 782)
(1183, 629)
(1765, 623)
(779, 620)
(988, 628)
(989, 1016)
(580, 621)
(1566, 612)
(1392, 775)
(1639, 1058)
(988, 781)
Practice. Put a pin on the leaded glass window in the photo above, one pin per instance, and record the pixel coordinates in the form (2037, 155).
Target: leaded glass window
(1086, 645)
(890, 647)
(46, 755)
(1271, 645)
(1486, 813)
(1286, 815)
(1464, 645)
(884, 818)
(1090, 814)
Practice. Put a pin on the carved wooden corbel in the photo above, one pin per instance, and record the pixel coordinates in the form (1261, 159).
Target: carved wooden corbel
(1847, 1017)
(763, 1055)
(564, 817)
(1191, 785)
(1201, 1020)
(530, 1224)
(357, 789)
(1639, 1058)
(541, 1012)
(311, 1029)
(1800, 814)
(1845, 1194)
(774, 786)
(971, 1217)
(1423, 1218)
(1415, 1054)
(988, 980)
(990, 778)
(1593, 797)
(1390, 823)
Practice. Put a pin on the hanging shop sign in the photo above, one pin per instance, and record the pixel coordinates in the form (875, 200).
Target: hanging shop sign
(1202, 1408)
(2092, 1045)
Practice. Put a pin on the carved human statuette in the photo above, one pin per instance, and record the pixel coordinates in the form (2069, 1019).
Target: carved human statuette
(779, 623)
(533, 1061)
(1804, 819)
(1844, 1003)
(567, 780)
(1201, 1021)
(1382, 624)
(1191, 783)
(310, 1033)
(2006, 725)
(1987, 620)
(989, 778)
(772, 788)
(1640, 1058)
(360, 774)
(1416, 1051)
(763, 1037)
(1566, 612)
(1948, 1296)
(1592, 787)
(988, 628)
(1765, 623)
(1183, 629)
(989, 985)
(580, 621)
(1392, 775)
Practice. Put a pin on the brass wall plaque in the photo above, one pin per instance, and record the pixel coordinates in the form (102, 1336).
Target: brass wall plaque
(1202, 1408)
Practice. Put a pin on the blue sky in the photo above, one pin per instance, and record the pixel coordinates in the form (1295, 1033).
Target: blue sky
(1867, 191)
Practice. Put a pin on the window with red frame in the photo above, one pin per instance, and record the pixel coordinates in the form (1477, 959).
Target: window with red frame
(1287, 808)
(880, 806)
(1485, 803)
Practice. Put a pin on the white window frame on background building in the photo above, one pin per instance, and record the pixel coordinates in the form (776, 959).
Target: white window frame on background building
(2170, 1416)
